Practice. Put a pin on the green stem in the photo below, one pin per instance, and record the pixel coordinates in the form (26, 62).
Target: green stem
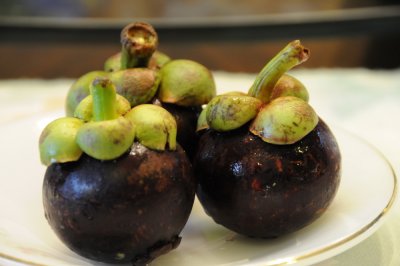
(139, 41)
(104, 100)
(293, 54)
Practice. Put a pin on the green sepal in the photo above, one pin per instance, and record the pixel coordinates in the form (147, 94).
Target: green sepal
(155, 127)
(285, 120)
(113, 63)
(106, 140)
(57, 142)
(137, 85)
(186, 83)
(79, 90)
(228, 112)
(289, 86)
(202, 120)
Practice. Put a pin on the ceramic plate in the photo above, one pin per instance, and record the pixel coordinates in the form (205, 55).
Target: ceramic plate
(366, 193)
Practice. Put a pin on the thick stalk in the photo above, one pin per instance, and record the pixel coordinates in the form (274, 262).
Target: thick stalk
(139, 41)
(104, 100)
(293, 54)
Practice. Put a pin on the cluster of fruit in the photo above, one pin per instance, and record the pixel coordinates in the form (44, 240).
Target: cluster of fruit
(146, 134)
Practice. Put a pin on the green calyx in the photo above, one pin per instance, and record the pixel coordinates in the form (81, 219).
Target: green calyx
(106, 140)
(186, 83)
(289, 86)
(228, 112)
(113, 63)
(84, 110)
(57, 142)
(285, 120)
(80, 89)
(276, 103)
(139, 42)
(109, 135)
(202, 119)
(137, 85)
(106, 135)
(158, 60)
(155, 127)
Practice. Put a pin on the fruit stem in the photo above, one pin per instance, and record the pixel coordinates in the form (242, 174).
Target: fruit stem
(293, 54)
(104, 99)
(139, 41)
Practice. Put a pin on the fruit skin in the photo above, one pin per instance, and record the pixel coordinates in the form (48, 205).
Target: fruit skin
(264, 190)
(131, 209)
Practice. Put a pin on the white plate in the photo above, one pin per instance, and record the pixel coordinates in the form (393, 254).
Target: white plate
(366, 193)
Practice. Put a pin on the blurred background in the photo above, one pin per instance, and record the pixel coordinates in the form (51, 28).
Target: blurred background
(67, 38)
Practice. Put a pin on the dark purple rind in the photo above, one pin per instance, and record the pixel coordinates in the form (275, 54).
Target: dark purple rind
(186, 120)
(135, 205)
(264, 190)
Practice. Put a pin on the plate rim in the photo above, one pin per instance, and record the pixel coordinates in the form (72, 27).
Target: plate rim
(355, 235)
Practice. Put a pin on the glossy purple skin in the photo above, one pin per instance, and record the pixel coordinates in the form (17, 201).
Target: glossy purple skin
(131, 209)
(264, 190)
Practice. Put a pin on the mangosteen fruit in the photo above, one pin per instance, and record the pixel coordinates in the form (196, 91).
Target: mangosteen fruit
(118, 188)
(266, 164)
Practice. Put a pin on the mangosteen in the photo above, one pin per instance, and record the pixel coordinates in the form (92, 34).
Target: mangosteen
(266, 164)
(118, 188)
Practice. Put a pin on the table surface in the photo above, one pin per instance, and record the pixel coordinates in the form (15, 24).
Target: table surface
(362, 101)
